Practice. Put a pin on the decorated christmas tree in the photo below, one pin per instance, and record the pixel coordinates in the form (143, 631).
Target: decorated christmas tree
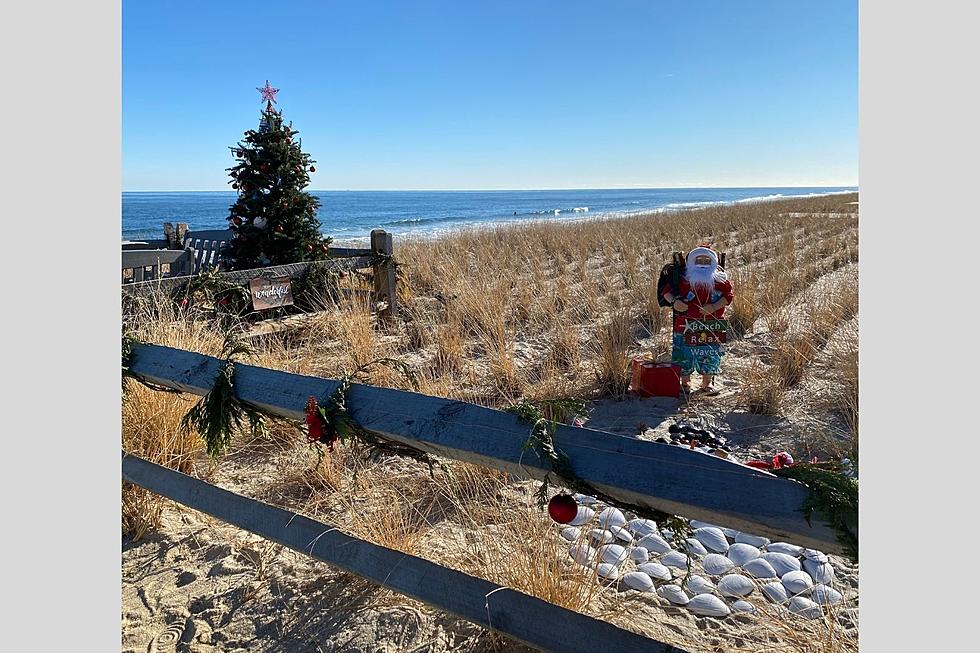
(274, 219)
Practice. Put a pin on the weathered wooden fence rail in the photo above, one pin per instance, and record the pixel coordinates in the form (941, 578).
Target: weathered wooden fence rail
(664, 477)
(168, 263)
(525, 618)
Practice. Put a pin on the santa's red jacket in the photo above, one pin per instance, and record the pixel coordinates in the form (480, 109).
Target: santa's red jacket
(695, 299)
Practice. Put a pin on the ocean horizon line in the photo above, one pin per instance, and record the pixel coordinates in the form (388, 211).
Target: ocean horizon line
(505, 190)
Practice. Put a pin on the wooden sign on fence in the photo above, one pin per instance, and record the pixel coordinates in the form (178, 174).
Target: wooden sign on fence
(270, 293)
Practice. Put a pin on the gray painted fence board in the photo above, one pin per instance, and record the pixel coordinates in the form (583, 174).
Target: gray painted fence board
(525, 618)
(665, 477)
(242, 277)
(141, 257)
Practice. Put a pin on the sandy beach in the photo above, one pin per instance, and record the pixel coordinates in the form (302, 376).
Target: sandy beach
(491, 316)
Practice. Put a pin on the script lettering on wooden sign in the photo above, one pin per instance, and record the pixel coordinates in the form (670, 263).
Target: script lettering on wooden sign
(270, 293)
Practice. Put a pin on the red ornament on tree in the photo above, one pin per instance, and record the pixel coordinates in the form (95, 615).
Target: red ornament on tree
(562, 508)
(235, 186)
(309, 248)
(280, 228)
(237, 221)
(264, 168)
(312, 169)
(325, 247)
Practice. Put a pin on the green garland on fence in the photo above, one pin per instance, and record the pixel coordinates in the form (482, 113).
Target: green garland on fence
(833, 495)
(220, 412)
(210, 286)
(333, 420)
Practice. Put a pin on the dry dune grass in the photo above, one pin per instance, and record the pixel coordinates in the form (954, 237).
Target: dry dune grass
(536, 311)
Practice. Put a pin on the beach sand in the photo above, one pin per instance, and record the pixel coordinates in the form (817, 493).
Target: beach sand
(224, 589)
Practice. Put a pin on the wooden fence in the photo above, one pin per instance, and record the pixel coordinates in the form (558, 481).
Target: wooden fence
(525, 618)
(665, 477)
(146, 269)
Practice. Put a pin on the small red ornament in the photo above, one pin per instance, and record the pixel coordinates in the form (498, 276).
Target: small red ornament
(235, 186)
(264, 168)
(237, 221)
(562, 508)
(309, 248)
(325, 247)
(222, 301)
(280, 228)
(312, 169)
(184, 302)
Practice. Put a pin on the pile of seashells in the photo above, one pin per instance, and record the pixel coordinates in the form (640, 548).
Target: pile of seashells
(712, 576)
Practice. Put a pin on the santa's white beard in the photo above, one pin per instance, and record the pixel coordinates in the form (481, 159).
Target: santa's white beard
(701, 276)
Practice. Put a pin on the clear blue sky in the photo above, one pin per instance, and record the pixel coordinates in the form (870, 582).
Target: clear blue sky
(503, 94)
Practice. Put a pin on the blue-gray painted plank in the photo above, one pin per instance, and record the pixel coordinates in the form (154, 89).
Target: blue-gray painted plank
(665, 477)
(525, 618)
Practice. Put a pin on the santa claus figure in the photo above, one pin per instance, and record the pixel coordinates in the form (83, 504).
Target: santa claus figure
(700, 301)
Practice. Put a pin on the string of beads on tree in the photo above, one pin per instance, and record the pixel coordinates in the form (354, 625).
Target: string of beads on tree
(274, 220)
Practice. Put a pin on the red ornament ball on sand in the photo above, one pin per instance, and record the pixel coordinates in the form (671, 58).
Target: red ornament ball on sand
(562, 508)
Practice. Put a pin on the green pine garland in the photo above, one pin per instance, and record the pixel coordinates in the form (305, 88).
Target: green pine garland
(339, 424)
(220, 412)
(833, 495)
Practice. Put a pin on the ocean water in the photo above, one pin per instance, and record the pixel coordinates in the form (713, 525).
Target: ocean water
(349, 216)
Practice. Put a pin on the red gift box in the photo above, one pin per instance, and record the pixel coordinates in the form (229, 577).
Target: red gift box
(651, 379)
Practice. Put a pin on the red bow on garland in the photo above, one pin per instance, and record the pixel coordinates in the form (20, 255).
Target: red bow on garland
(320, 430)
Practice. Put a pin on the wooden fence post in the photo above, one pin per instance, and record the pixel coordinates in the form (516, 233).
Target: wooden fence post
(384, 274)
(170, 235)
(181, 234)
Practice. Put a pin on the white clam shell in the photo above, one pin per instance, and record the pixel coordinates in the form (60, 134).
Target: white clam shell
(639, 554)
(694, 547)
(601, 536)
(654, 543)
(825, 595)
(712, 538)
(716, 564)
(822, 572)
(781, 562)
(785, 547)
(583, 516)
(759, 568)
(571, 533)
(608, 571)
(775, 592)
(621, 533)
(674, 559)
(699, 585)
(813, 554)
(754, 540)
(804, 607)
(735, 585)
(612, 517)
(615, 554)
(708, 605)
(583, 554)
(655, 570)
(642, 527)
(585, 500)
(743, 606)
(674, 594)
(741, 553)
(728, 532)
(639, 581)
(796, 582)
